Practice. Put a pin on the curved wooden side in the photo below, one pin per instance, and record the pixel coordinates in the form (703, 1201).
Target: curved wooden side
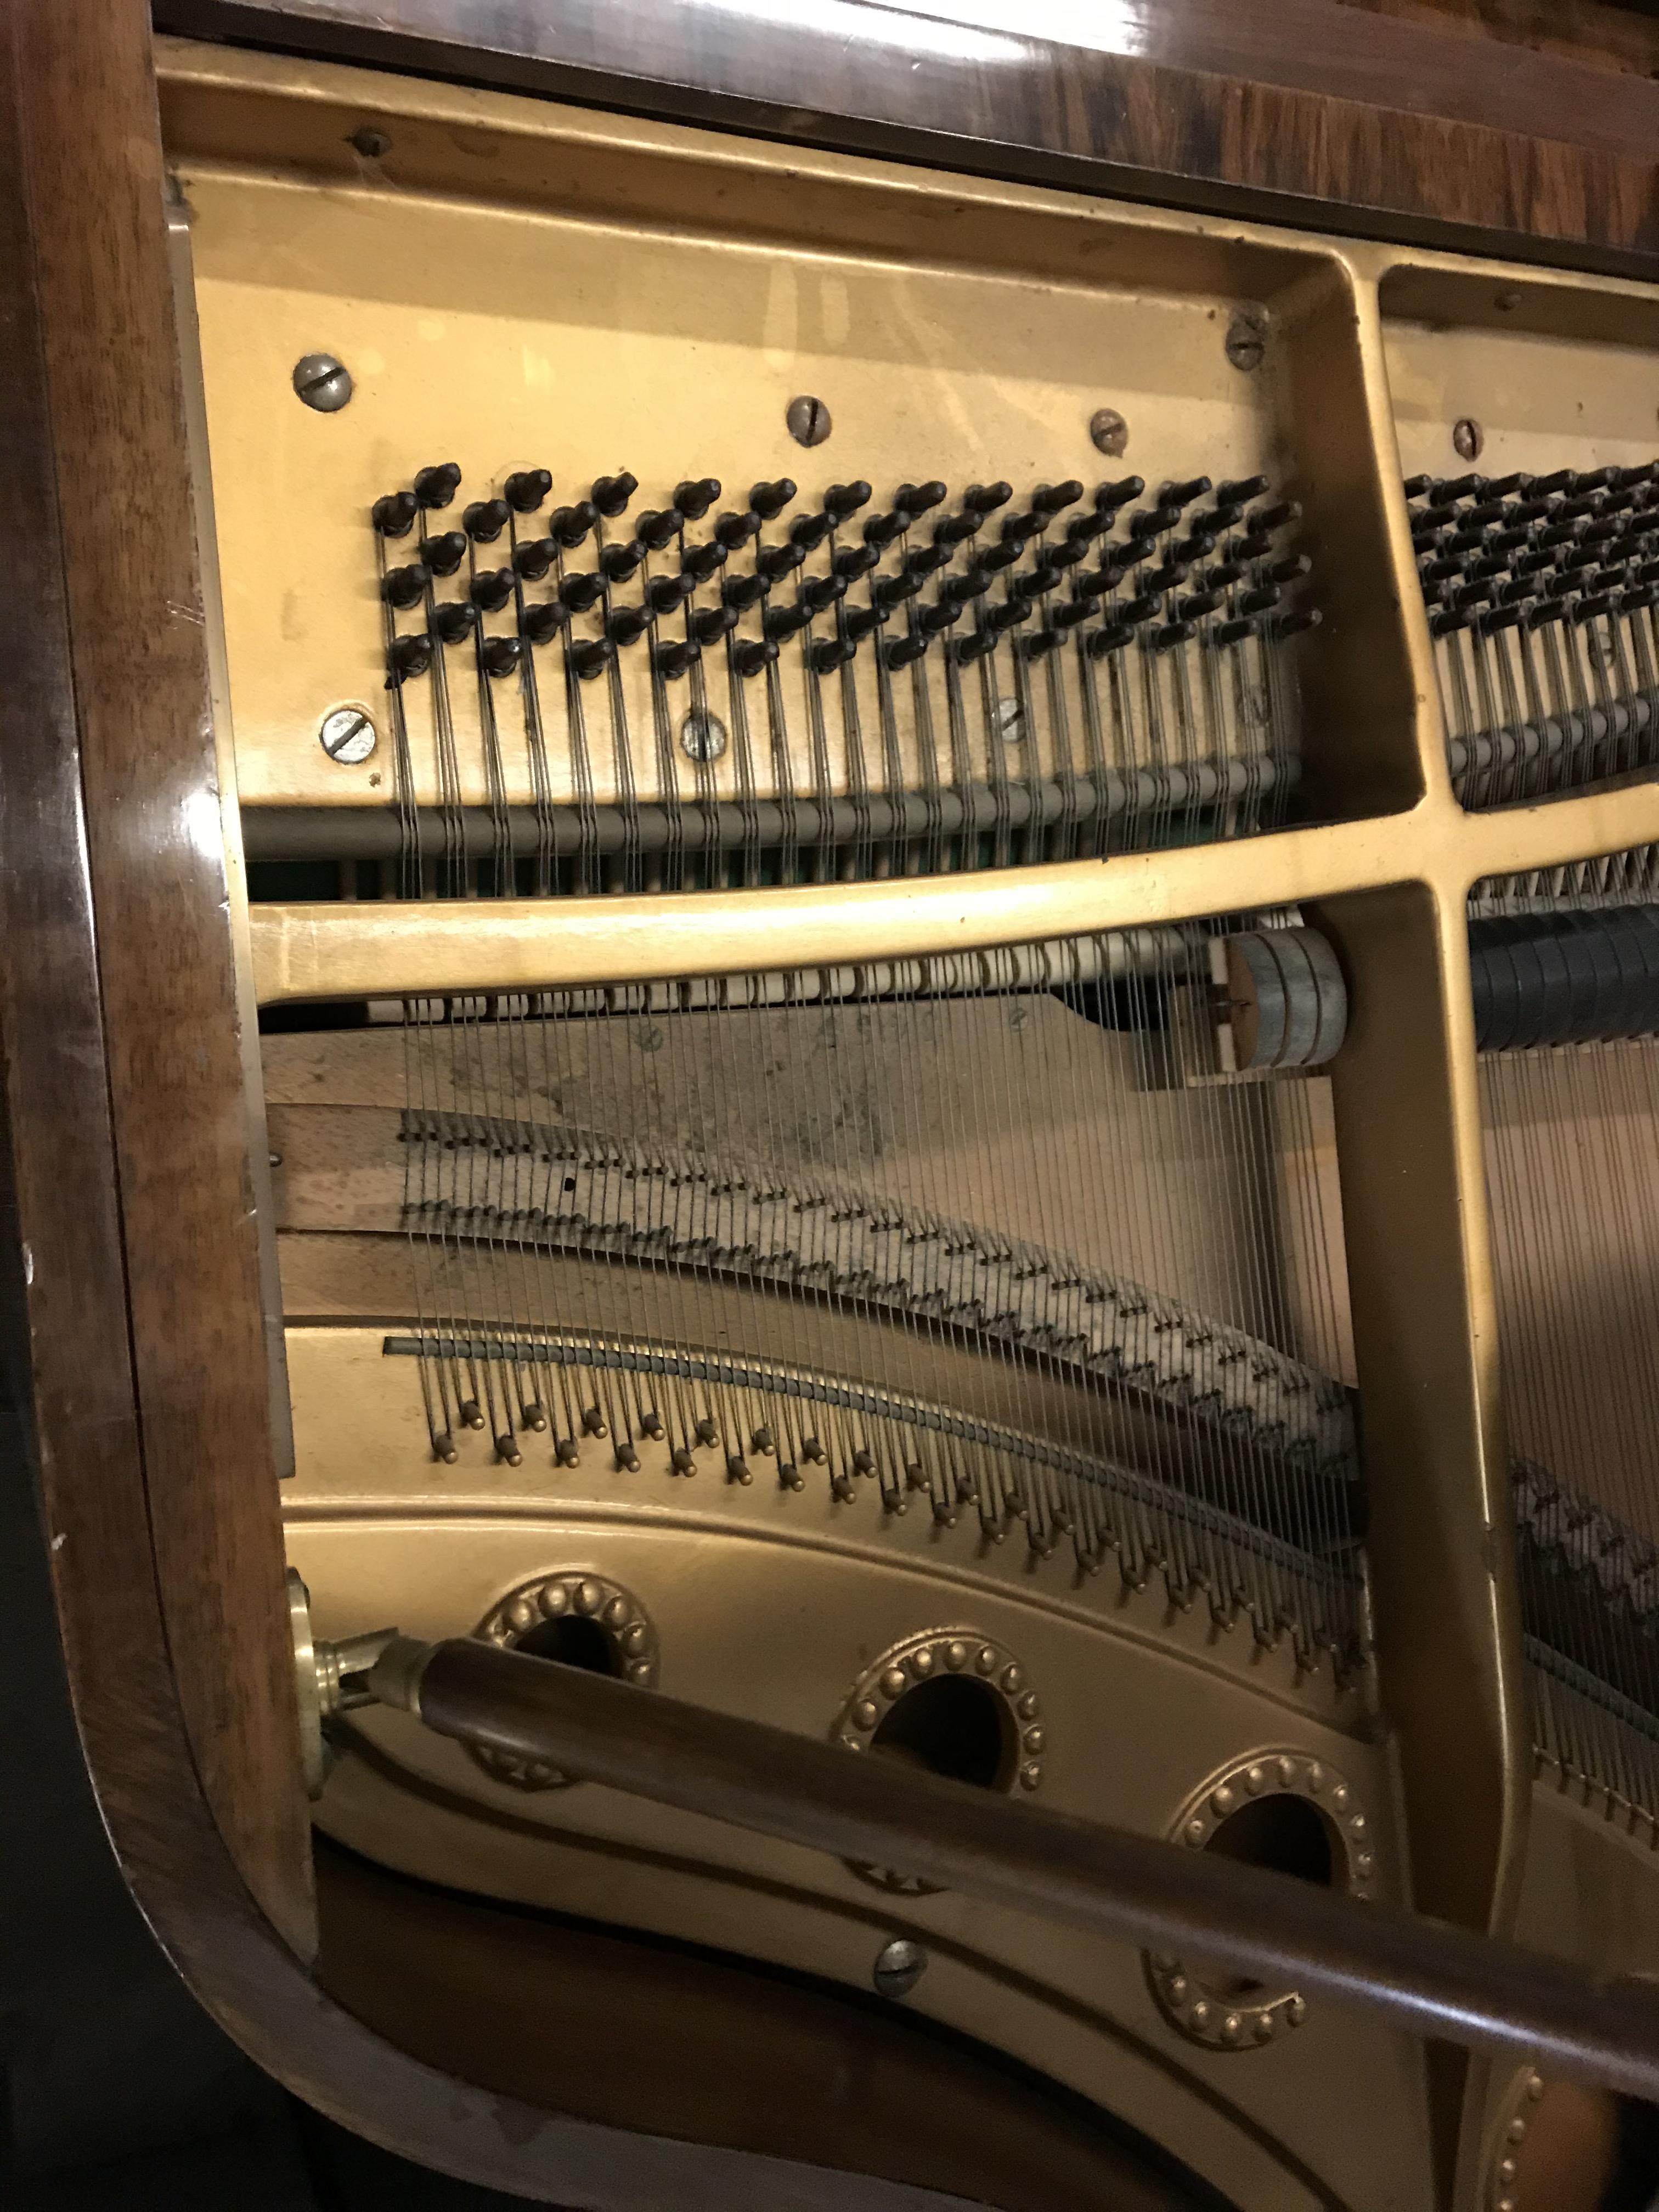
(130, 1303)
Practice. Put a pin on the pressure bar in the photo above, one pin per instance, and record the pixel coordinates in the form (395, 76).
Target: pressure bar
(1427, 1977)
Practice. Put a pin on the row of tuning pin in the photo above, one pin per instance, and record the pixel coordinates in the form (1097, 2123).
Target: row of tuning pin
(1186, 565)
(1523, 551)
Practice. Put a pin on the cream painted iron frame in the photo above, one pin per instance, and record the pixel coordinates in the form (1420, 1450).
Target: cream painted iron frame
(1390, 884)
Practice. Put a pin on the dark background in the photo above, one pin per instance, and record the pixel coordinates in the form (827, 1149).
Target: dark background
(118, 2093)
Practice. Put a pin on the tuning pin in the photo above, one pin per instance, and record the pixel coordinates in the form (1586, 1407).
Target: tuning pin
(444, 553)
(1215, 520)
(860, 620)
(830, 654)
(1138, 609)
(1041, 578)
(543, 621)
(1587, 610)
(769, 500)
(1004, 616)
(915, 499)
(393, 515)
(534, 558)
(1275, 517)
(619, 563)
(610, 494)
(819, 592)
(437, 486)
(526, 490)
(580, 592)
(940, 616)
(1106, 578)
(881, 529)
(1494, 620)
(1540, 613)
(955, 527)
(774, 562)
(673, 661)
(485, 520)
(592, 658)
(1290, 625)
(410, 656)
(964, 651)
(1038, 643)
(1197, 545)
(1072, 612)
(1251, 545)
(1417, 487)
(1220, 576)
(405, 587)
(696, 496)
(1239, 491)
(1198, 605)
(753, 654)
(627, 625)
(1112, 639)
(1171, 634)
(570, 525)
(491, 589)
(889, 591)
(502, 655)
(1446, 489)
(985, 499)
(1544, 487)
(1166, 576)
(1290, 570)
(1183, 494)
(701, 563)
(665, 594)
(742, 591)
(1472, 593)
(711, 624)
(658, 530)
(1259, 600)
(809, 531)
(1150, 522)
(999, 556)
(455, 620)
(856, 560)
(842, 500)
(733, 530)
(973, 584)
(1109, 497)
(925, 559)
(1235, 631)
(899, 652)
(784, 621)
(1048, 500)
(1081, 530)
